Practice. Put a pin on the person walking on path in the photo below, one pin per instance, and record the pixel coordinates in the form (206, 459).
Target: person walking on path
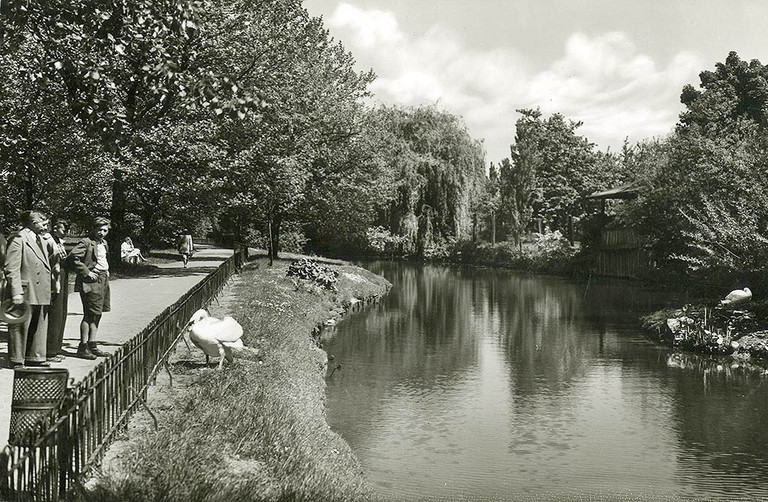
(57, 316)
(28, 275)
(185, 246)
(89, 260)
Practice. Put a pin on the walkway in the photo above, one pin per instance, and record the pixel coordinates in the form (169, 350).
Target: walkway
(135, 302)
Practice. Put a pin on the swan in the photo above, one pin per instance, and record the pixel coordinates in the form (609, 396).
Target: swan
(215, 337)
(737, 296)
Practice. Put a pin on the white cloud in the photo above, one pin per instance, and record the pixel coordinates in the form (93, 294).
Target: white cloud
(604, 81)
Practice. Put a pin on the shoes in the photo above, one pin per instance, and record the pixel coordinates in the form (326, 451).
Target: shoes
(96, 351)
(19, 366)
(83, 352)
(55, 359)
(38, 364)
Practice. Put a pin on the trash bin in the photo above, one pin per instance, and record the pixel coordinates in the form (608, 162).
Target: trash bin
(36, 391)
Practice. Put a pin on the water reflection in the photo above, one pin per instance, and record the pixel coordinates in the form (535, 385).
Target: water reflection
(484, 384)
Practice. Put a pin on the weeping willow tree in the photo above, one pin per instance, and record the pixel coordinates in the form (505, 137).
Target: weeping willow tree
(437, 167)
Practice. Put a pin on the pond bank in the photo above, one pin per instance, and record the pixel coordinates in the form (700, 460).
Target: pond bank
(740, 332)
(255, 430)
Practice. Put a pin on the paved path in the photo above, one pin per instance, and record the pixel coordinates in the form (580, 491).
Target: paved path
(135, 302)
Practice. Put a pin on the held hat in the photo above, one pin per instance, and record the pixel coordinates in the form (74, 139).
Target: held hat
(14, 313)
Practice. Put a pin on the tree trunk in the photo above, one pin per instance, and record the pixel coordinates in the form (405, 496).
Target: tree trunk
(274, 237)
(117, 215)
(148, 220)
(493, 227)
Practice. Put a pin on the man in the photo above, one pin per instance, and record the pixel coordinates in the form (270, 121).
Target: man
(57, 315)
(28, 275)
(89, 260)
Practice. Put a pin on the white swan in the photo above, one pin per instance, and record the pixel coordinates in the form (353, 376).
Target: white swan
(215, 337)
(737, 296)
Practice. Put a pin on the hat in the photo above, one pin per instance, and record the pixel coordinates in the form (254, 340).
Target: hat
(14, 313)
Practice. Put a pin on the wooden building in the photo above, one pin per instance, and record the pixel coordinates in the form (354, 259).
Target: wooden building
(622, 251)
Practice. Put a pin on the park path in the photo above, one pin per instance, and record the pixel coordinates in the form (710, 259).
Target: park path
(135, 302)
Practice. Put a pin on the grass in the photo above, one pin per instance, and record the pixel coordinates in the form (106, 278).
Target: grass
(255, 430)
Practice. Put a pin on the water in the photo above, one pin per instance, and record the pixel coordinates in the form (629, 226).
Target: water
(471, 384)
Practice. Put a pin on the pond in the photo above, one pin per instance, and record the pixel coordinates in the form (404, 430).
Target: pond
(480, 384)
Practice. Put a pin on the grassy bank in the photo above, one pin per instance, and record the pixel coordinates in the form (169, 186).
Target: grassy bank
(255, 430)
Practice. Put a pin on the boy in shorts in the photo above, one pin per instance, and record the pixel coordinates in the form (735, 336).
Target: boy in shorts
(89, 261)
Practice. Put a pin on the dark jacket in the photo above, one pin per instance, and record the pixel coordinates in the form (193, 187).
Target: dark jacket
(82, 259)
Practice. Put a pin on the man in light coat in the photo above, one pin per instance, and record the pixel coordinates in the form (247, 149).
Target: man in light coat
(28, 275)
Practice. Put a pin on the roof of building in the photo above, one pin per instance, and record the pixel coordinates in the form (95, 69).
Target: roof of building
(626, 191)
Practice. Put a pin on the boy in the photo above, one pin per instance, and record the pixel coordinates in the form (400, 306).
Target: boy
(89, 260)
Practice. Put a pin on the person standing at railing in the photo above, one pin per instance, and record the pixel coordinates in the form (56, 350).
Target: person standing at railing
(89, 260)
(28, 275)
(57, 316)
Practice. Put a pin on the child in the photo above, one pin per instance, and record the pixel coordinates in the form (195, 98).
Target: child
(89, 260)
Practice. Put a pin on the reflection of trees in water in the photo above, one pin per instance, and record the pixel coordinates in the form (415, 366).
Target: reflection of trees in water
(422, 328)
(550, 332)
(721, 421)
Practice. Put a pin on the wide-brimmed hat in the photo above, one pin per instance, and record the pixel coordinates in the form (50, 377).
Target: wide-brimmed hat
(14, 313)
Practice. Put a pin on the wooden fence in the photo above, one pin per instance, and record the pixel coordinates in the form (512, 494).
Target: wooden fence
(54, 456)
(621, 253)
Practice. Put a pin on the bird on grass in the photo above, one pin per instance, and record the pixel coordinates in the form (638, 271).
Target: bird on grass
(737, 296)
(215, 337)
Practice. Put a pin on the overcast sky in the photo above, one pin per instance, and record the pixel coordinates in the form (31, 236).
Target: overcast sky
(616, 65)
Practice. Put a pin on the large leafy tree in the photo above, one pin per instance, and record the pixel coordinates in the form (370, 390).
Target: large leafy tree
(711, 187)
(124, 67)
(564, 165)
(313, 94)
(46, 161)
(437, 167)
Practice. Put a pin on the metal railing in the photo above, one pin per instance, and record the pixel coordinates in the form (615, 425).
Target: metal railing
(52, 458)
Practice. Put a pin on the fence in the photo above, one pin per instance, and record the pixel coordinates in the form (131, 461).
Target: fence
(52, 458)
(621, 253)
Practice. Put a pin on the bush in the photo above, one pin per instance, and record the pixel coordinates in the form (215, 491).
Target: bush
(312, 271)
(552, 254)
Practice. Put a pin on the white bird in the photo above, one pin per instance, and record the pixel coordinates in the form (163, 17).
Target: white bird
(737, 296)
(215, 337)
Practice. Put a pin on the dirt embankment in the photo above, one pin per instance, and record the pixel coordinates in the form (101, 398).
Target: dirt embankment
(255, 430)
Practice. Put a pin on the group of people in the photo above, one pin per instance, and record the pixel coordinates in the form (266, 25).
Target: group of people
(36, 271)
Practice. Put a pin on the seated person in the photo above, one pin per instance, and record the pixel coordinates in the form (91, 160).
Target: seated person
(130, 254)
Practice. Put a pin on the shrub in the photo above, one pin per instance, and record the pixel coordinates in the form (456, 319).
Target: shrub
(312, 271)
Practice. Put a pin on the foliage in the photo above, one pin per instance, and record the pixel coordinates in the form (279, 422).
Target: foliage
(313, 93)
(382, 241)
(552, 255)
(42, 150)
(706, 197)
(437, 169)
(554, 168)
(517, 182)
(310, 270)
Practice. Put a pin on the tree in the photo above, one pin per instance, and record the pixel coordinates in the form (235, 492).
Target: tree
(46, 161)
(313, 94)
(707, 197)
(564, 165)
(124, 66)
(517, 194)
(437, 167)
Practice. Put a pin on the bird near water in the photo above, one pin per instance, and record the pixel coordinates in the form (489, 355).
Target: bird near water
(215, 337)
(737, 296)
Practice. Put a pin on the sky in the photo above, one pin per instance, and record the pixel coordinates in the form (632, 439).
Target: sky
(618, 66)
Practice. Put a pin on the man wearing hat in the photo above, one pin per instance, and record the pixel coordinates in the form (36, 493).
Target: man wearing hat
(28, 275)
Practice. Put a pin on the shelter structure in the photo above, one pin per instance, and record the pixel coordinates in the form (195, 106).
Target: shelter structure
(621, 251)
